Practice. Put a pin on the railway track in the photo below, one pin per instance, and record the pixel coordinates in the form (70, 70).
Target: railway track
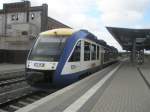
(11, 75)
(23, 100)
(16, 93)
(11, 81)
(12, 87)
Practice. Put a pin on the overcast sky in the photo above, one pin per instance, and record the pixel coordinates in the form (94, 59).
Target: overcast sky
(95, 15)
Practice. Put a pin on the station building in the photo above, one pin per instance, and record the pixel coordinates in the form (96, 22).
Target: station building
(20, 23)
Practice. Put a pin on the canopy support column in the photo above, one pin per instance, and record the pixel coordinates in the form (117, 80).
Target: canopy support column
(133, 53)
(140, 56)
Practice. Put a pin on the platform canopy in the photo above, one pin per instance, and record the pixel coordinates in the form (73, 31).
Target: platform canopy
(126, 37)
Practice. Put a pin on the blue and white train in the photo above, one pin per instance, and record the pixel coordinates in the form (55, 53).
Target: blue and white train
(62, 56)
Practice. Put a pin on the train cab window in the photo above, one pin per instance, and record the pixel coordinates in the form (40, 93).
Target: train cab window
(48, 48)
(93, 52)
(87, 51)
(97, 52)
(76, 53)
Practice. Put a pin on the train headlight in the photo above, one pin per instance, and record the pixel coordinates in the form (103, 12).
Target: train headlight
(28, 64)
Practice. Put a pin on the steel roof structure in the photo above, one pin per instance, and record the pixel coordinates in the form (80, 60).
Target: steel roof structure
(126, 37)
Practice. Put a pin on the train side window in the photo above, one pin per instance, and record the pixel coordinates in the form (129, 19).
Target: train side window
(87, 51)
(97, 52)
(76, 53)
(93, 51)
(106, 55)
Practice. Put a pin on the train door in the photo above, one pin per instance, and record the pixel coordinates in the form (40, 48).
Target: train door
(74, 62)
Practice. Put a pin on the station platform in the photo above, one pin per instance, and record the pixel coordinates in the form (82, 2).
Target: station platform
(11, 70)
(118, 88)
(5, 67)
(145, 69)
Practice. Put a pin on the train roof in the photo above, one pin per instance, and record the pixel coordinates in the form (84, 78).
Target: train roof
(94, 38)
(59, 32)
(68, 32)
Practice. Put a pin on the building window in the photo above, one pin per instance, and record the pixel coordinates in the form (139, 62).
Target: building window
(87, 51)
(97, 52)
(13, 17)
(9, 26)
(17, 18)
(93, 51)
(32, 16)
(24, 33)
(76, 53)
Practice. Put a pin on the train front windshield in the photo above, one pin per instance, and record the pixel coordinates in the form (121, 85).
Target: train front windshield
(48, 48)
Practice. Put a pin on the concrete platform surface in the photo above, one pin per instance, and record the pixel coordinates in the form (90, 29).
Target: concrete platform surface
(113, 89)
(127, 92)
(11, 67)
(145, 69)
